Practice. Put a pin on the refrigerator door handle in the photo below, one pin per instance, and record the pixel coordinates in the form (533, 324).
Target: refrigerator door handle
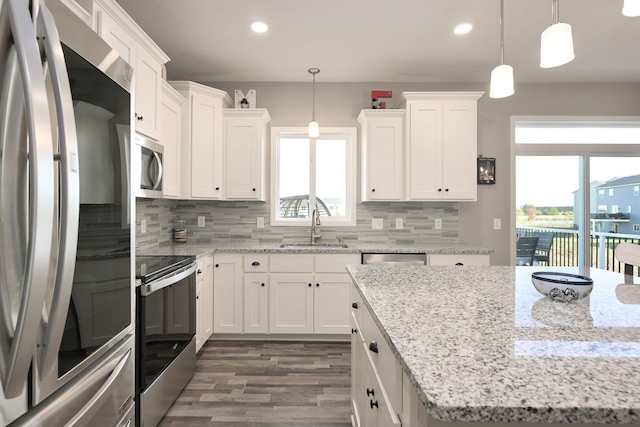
(87, 412)
(21, 328)
(158, 179)
(69, 194)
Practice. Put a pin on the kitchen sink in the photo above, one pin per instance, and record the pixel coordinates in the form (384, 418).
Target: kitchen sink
(315, 245)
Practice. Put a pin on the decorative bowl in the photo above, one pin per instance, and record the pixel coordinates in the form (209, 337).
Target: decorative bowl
(562, 286)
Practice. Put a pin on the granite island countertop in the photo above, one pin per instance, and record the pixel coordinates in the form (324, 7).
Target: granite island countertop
(481, 344)
(203, 249)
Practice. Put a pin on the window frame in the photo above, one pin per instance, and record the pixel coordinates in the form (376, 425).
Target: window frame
(349, 134)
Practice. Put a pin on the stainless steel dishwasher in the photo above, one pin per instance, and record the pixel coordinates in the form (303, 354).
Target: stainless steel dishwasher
(394, 258)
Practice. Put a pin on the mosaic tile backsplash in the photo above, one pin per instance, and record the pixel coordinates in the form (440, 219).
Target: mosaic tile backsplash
(236, 221)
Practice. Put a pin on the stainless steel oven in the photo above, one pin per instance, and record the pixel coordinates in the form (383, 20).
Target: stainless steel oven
(165, 333)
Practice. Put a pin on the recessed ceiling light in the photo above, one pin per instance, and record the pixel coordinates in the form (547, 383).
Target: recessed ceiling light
(463, 28)
(259, 27)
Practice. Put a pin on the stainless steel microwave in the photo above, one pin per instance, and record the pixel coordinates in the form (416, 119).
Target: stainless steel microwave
(149, 155)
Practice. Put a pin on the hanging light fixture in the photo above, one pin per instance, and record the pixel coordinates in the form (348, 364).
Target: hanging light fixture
(631, 8)
(501, 76)
(314, 130)
(556, 42)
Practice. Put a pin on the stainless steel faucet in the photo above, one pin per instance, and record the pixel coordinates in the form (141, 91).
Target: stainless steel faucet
(315, 222)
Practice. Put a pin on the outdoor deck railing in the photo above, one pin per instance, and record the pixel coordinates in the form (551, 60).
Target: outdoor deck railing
(564, 251)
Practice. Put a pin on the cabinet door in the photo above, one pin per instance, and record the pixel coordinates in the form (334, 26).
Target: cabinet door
(199, 307)
(227, 294)
(378, 410)
(382, 145)
(245, 150)
(256, 303)
(116, 36)
(206, 147)
(171, 138)
(291, 303)
(207, 297)
(424, 154)
(148, 78)
(357, 373)
(331, 309)
(459, 150)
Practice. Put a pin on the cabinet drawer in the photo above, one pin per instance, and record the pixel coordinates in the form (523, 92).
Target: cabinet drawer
(335, 263)
(379, 407)
(256, 263)
(291, 263)
(357, 309)
(383, 360)
(455, 259)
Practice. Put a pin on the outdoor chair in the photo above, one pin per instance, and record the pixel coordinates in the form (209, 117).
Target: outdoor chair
(545, 241)
(525, 250)
(629, 255)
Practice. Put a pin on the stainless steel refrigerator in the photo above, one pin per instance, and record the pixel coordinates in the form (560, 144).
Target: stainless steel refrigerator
(66, 271)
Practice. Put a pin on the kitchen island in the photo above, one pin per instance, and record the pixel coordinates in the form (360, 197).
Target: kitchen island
(480, 344)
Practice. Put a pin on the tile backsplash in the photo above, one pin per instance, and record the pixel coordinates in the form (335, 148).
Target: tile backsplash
(236, 221)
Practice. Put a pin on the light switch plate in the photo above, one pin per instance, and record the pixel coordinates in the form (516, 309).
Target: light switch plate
(399, 224)
(497, 223)
(201, 221)
(143, 226)
(376, 224)
(438, 224)
(260, 222)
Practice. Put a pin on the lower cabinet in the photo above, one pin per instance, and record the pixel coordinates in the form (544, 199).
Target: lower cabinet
(256, 303)
(227, 294)
(204, 300)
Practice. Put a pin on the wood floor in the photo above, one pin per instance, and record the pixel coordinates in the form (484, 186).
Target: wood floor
(266, 384)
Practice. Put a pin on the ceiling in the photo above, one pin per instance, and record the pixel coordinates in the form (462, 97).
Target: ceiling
(385, 41)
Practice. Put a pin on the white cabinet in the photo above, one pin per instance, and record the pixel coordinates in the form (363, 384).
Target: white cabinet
(227, 294)
(117, 28)
(171, 131)
(291, 303)
(256, 303)
(204, 301)
(245, 138)
(441, 141)
(458, 259)
(382, 165)
(202, 144)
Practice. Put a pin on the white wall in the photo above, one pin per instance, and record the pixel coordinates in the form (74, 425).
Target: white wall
(338, 104)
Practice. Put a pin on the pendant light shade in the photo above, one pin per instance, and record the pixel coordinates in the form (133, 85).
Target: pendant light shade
(556, 42)
(501, 76)
(631, 8)
(314, 129)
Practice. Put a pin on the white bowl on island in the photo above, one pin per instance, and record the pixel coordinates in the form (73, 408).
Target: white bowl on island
(563, 287)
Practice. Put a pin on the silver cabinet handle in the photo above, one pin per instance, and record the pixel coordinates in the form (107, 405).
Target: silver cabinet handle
(158, 178)
(87, 412)
(21, 321)
(69, 193)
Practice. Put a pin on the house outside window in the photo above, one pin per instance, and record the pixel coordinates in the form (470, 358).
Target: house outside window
(611, 192)
(636, 227)
(313, 173)
(636, 190)
(601, 194)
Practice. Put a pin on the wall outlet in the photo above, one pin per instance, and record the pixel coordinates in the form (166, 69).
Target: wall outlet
(497, 223)
(399, 224)
(143, 226)
(201, 221)
(438, 224)
(260, 222)
(377, 224)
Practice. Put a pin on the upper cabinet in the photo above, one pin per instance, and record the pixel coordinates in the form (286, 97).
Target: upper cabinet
(245, 139)
(117, 28)
(441, 145)
(171, 103)
(202, 161)
(382, 140)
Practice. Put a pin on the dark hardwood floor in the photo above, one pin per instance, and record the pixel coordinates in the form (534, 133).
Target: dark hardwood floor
(263, 383)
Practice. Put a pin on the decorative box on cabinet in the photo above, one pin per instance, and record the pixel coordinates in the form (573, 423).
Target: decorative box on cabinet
(382, 141)
(202, 145)
(245, 136)
(171, 131)
(122, 33)
(441, 141)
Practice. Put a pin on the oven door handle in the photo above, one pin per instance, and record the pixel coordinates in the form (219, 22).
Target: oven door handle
(150, 288)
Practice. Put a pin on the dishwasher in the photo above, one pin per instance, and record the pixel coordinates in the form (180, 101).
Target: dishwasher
(394, 258)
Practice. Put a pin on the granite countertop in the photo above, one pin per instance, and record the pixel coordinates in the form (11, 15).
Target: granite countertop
(252, 247)
(481, 344)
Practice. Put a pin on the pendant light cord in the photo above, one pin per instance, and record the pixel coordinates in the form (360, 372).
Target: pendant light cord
(501, 32)
(313, 72)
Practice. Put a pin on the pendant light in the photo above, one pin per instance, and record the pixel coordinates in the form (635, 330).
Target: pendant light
(631, 8)
(501, 76)
(314, 130)
(556, 42)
